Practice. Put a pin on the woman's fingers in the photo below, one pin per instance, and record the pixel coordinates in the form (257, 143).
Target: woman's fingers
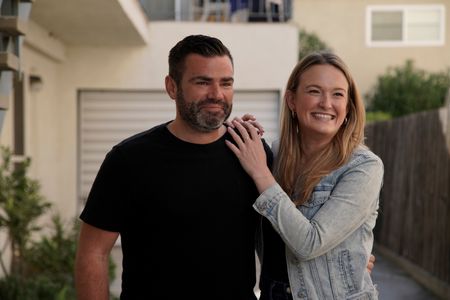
(255, 132)
(252, 131)
(233, 148)
(258, 126)
(229, 123)
(248, 117)
(247, 134)
(242, 130)
(252, 120)
(236, 137)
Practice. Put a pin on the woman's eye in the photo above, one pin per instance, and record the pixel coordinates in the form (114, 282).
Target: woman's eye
(313, 91)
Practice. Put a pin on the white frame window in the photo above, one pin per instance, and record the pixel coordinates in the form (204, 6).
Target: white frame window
(417, 25)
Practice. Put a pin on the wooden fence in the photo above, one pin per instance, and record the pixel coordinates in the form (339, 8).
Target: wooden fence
(414, 215)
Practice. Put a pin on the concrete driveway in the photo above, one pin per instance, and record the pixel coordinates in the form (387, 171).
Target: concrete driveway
(395, 284)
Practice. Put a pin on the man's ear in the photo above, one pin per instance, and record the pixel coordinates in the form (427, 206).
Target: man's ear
(171, 87)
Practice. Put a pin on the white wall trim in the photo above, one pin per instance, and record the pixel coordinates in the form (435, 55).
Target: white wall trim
(44, 42)
(137, 16)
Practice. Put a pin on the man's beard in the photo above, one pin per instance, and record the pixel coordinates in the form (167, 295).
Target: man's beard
(200, 119)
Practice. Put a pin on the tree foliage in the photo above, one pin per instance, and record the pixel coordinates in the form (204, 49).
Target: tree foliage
(406, 89)
(310, 42)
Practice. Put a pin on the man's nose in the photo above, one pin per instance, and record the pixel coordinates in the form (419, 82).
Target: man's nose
(215, 91)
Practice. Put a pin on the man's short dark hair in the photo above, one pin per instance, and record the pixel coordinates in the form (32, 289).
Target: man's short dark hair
(194, 44)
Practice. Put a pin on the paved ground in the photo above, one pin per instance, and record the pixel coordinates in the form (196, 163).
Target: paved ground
(393, 283)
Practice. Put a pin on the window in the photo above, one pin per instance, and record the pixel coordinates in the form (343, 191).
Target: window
(407, 25)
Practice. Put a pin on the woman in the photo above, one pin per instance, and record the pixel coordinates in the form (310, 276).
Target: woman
(323, 197)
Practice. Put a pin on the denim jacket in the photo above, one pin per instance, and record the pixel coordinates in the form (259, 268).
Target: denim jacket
(329, 239)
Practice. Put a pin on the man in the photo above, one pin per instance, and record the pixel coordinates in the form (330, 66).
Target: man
(177, 196)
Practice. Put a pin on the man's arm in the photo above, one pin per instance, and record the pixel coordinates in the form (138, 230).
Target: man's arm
(92, 261)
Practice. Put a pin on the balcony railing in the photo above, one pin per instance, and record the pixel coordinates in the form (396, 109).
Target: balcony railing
(219, 10)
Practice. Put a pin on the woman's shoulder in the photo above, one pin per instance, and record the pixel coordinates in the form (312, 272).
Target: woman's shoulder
(362, 158)
(363, 154)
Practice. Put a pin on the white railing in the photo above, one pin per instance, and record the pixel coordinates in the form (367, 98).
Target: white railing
(219, 10)
(241, 10)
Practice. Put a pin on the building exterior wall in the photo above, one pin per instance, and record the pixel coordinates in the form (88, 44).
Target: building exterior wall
(342, 25)
(263, 54)
(6, 127)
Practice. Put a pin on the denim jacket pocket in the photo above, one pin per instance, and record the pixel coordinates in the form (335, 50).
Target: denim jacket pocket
(346, 271)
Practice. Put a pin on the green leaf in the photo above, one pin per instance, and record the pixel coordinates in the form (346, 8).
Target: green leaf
(405, 89)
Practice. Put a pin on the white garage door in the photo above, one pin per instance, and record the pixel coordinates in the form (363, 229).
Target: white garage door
(107, 117)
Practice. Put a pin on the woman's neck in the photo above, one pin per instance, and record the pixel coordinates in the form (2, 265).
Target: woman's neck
(311, 147)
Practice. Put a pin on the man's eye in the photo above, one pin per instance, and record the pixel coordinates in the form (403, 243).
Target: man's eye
(202, 82)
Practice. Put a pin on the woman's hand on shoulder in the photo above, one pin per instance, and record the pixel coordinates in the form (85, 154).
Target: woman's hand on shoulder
(247, 118)
(250, 151)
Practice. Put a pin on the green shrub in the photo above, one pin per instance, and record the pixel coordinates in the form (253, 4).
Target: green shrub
(373, 116)
(40, 287)
(40, 269)
(49, 267)
(406, 89)
(310, 42)
(21, 204)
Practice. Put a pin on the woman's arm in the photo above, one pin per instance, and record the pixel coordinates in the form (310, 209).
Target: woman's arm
(352, 201)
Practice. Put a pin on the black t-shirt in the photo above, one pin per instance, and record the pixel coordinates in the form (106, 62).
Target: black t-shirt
(184, 213)
(274, 266)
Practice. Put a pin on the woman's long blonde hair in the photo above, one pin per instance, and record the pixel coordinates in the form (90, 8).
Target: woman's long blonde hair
(299, 180)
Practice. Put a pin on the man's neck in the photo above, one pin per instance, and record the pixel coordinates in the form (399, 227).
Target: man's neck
(188, 134)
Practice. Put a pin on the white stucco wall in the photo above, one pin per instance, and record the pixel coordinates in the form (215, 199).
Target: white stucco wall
(6, 127)
(264, 55)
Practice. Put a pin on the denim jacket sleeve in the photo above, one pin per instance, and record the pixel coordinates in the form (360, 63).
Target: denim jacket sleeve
(351, 201)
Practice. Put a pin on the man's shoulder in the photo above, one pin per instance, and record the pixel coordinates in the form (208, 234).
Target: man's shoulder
(140, 144)
(269, 154)
(145, 137)
(266, 146)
